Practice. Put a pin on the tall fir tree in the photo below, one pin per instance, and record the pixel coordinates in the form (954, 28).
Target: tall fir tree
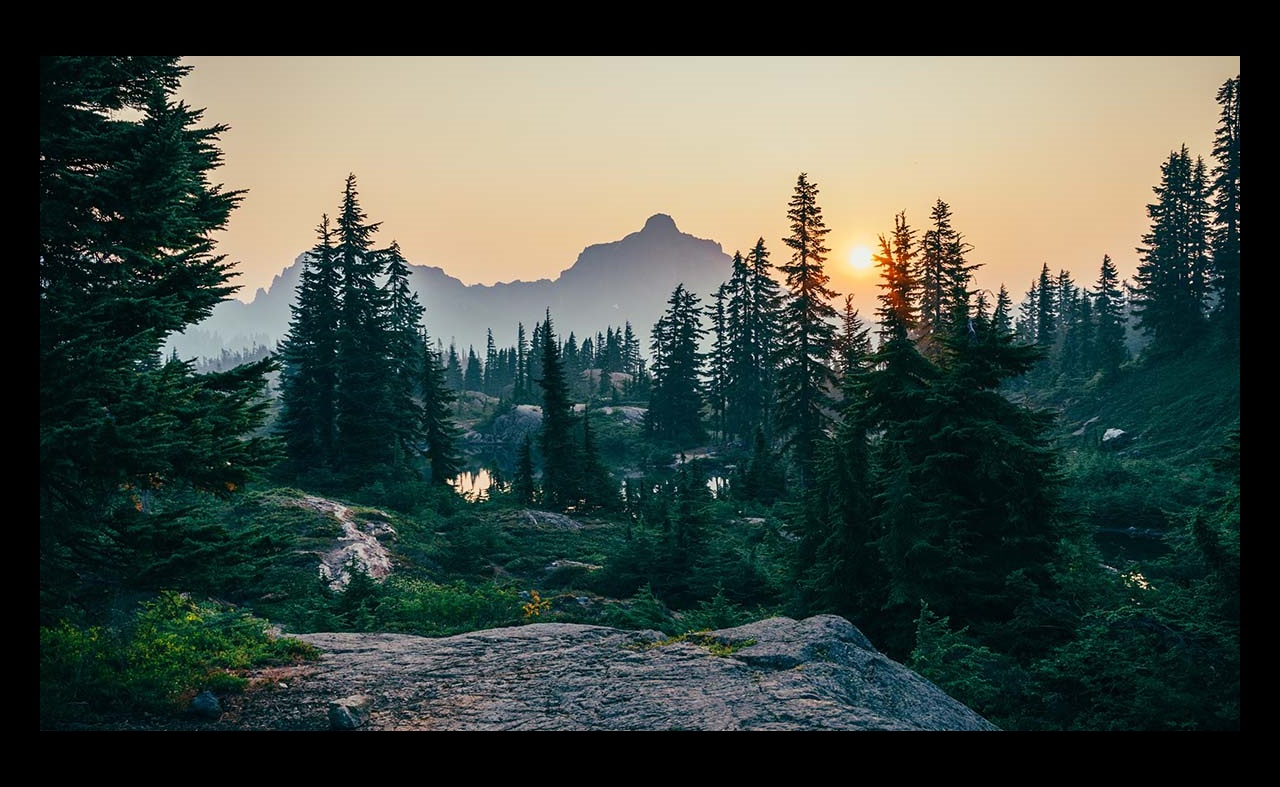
(561, 472)
(719, 362)
(524, 487)
(473, 376)
(841, 568)
(1002, 313)
(308, 355)
(492, 369)
(1226, 210)
(805, 380)
(676, 393)
(366, 438)
(943, 273)
(520, 387)
(453, 374)
(1109, 349)
(127, 222)
(1170, 297)
(403, 326)
(440, 433)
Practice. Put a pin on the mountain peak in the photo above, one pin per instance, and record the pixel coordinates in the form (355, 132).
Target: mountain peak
(660, 222)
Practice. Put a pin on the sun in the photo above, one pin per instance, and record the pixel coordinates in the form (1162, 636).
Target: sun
(860, 258)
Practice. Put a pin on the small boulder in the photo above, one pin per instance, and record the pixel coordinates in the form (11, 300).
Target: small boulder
(351, 712)
(206, 706)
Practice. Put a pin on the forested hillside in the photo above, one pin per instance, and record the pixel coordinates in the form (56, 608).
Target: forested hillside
(941, 473)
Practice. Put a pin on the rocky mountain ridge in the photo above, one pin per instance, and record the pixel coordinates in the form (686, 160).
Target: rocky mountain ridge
(610, 284)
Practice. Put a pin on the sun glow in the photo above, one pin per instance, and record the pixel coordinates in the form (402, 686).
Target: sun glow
(860, 258)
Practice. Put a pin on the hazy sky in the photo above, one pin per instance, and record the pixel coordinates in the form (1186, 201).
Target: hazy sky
(505, 168)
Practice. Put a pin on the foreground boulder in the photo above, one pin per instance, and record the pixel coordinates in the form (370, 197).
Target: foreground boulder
(819, 673)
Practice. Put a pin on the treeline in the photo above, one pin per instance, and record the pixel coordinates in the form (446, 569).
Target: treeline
(510, 373)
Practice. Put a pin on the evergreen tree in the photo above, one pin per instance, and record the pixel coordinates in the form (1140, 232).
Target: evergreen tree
(308, 354)
(492, 369)
(366, 438)
(1109, 347)
(978, 540)
(403, 326)
(1226, 209)
(440, 434)
(762, 478)
(597, 488)
(805, 379)
(453, 375)
(1168, 284)
(520, 393)
(751, 328)
(764, 317)
(1046, 310)
(632, 361)
(524, 487)
(127, 217)
(942, 272)
(719, 362)
(1002, 314)
(473, 377)
(561, 473)
(1026, 324)
(676, 398)
(853, 345)
(842, 572)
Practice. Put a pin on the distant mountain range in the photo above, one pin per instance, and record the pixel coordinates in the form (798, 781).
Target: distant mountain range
(609, 285)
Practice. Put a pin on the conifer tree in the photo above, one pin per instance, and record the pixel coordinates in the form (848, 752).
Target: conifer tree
(764, 316)
(1002, 314)
(1046, 310)
(843, 572)
(473, 377)
(942, 272)
(1109, 350)
(524, 487)
(561, 472)
(440, 434)
(1226, 209)
(968, 485)
(676, 395)
(520, 392)
(597, 488)
(805, 379)
(1170, 297)
(492, 369)
(308, 356)
(366, 438)
(127, 218)
(719, 361)
(403, 327)
(632, 361)
(453, 374)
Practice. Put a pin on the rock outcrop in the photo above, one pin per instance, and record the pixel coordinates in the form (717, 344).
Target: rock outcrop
(819, 673)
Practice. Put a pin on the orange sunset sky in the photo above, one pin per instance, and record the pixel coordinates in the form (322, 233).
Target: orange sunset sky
(503, 168)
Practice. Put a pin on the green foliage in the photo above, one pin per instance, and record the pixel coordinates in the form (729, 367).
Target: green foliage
(718, 612)
(986, 681)
(127, 216)
(434, 609)
(642, 611)
(174, 648)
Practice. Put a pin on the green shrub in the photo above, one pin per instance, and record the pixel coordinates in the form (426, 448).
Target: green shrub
(417, 606)
(173, 648)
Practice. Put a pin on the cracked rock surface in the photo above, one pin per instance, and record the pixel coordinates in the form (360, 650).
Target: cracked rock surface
(819, 673)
